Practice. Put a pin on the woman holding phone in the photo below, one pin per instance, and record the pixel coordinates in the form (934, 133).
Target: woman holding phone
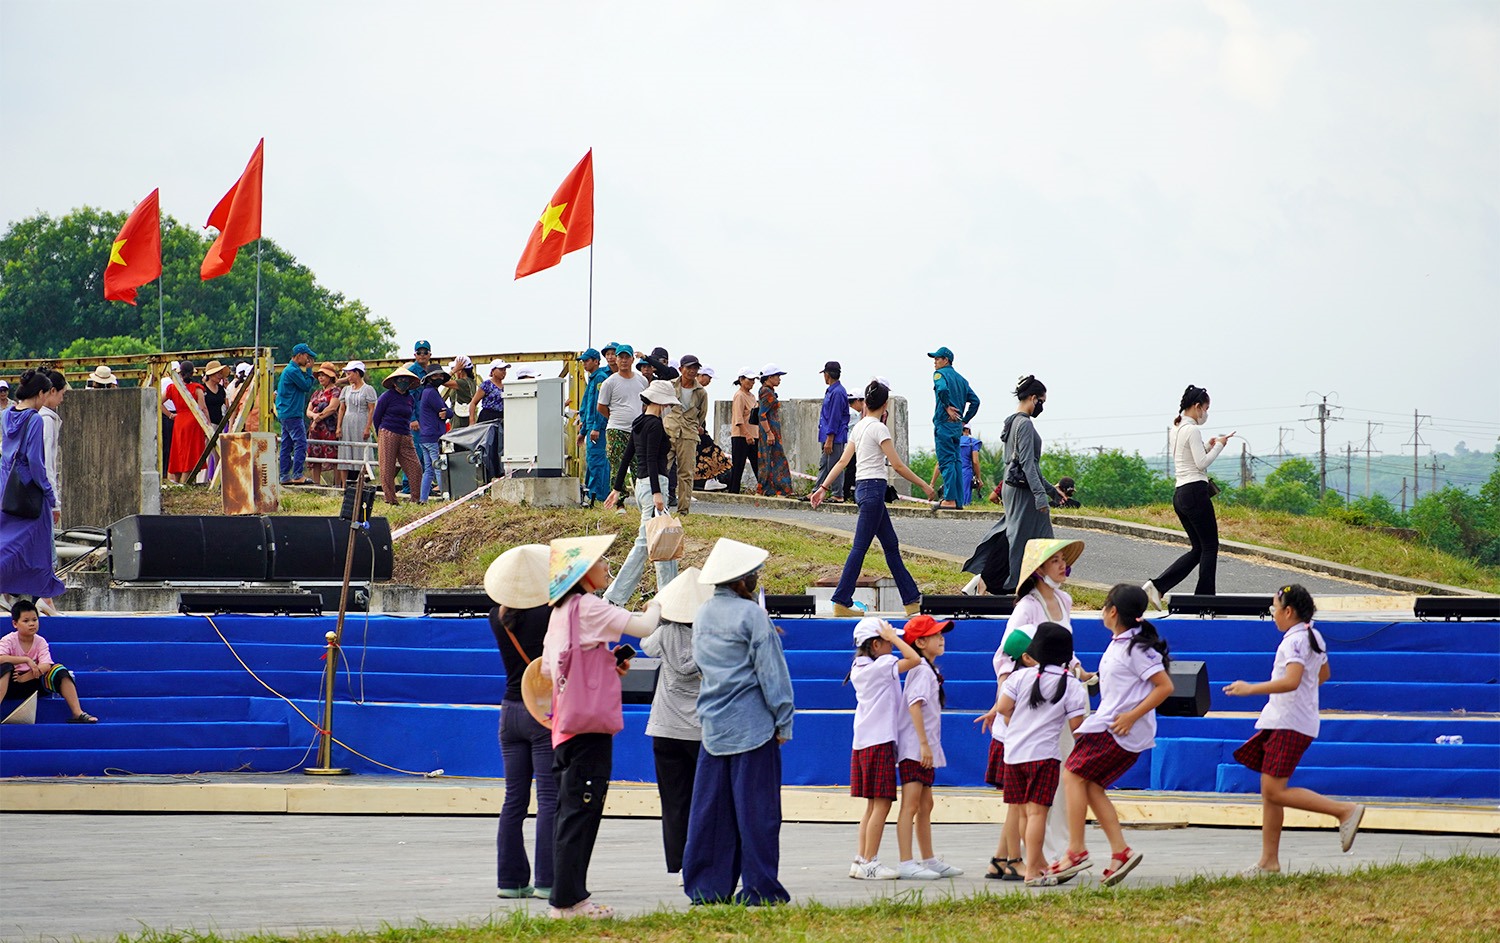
(1193, 499)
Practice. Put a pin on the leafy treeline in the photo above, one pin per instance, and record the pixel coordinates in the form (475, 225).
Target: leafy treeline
(52, 297)
(1465, 523)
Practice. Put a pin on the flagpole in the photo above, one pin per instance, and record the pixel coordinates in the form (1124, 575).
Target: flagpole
(257, 296)
(591, 293)
(161, 314)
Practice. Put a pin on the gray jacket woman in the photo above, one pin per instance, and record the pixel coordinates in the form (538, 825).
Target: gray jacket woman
(1027, 495)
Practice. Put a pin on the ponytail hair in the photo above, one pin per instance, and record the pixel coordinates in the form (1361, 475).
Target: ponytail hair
(1052, 646)
(942, 694)
(33, 383)
(1028, 386)
(1192, 396)
(1037, 697)
(876, 395)
(867, 651)
(1301, 602)
(1129, 602)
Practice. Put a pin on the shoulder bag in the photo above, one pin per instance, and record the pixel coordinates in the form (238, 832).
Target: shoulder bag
(22, 498)
(586, 696)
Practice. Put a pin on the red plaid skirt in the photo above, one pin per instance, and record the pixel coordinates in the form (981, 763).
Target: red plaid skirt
(912, 771)
(994, 772)
(1032, 782)
(1099, 758)
(1274, 753)
(872, 772)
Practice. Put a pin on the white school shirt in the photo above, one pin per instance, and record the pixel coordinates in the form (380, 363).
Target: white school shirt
(878, 703)
(869, 458)
(1189, 459)
(921, 688)
(1124, 681)
(1034, 733)
(1296, 709)
(1031, 609)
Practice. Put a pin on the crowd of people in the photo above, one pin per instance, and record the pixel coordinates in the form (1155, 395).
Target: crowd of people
(723, 708)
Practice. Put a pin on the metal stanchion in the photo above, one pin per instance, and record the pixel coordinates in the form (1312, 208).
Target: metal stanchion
(325, 765)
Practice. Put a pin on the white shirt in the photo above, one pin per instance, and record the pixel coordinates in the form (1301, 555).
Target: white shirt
(623, 397)
(1031, 609)
(51, 430)
(1125, 675)
(869, 458)
(1034, 733)
(878, 702)
(168, 405)
(1296, 709)
(1188, 457)
(921, 688)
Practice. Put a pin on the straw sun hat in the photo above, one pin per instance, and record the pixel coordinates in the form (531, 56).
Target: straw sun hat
(569, 558)
(102, 374)
(517, 579)
(1042, 550)
(682, 597)
(390, 381)
(730, 560)
(536, 693)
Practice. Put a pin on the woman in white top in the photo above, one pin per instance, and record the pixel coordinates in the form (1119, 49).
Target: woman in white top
(870, 447)
(1193, 498)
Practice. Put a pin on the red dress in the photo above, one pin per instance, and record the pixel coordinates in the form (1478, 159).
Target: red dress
(188, 438)
(320, 434)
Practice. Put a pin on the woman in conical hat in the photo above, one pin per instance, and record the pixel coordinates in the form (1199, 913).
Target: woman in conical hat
(517, 582)
(676, 735)
(583, 757)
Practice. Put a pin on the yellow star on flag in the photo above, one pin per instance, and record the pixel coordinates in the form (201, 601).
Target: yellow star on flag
(114, 252)
(552, 220)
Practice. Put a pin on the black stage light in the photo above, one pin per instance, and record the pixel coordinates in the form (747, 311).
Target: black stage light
(1457, 607)
(790, 605)
(969, 607)
(1208, 607)
(273, 604)
(463, 605)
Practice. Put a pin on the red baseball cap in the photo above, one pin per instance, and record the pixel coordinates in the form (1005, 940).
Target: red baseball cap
(923, 626)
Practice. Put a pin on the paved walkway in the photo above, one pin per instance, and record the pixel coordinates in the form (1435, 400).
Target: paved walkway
(97, 876)
(1109, 558)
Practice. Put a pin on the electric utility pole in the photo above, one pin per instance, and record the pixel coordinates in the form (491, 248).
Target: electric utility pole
(1416, 454)
(1368, 449)
(1324, 416)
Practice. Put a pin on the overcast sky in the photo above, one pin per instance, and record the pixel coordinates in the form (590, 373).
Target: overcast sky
(1265, 199)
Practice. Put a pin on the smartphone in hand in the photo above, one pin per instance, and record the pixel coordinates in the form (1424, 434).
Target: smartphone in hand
(623, 653)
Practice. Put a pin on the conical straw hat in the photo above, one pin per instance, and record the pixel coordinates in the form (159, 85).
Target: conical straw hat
(1040, 551)
(682, 597)
(518, 578)
(730, 560)
(570, 558)
(536, 693)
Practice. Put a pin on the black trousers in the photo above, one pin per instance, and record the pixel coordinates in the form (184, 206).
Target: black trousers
(1196, 511)
(741, 449)
(676, 764)
(582, 764)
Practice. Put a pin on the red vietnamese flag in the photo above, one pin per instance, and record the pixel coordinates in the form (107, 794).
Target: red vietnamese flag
(237, 218)
(135, 255)
(566, 224)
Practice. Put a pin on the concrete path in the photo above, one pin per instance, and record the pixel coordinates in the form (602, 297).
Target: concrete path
(1109, 558)
(97, 876)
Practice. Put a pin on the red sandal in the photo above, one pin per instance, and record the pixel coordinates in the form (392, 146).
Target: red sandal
(1121, 864)
(1070, 864)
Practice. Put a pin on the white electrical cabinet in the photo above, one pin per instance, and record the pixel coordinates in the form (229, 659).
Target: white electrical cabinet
(534, 428)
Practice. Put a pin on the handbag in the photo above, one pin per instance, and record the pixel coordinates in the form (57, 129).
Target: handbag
(754, 419)
(664, 539)
(23, 499)
(586, 691)
(1213, 488)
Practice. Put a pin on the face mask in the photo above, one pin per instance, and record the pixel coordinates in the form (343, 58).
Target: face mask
(1051, 582)
(1038, 410)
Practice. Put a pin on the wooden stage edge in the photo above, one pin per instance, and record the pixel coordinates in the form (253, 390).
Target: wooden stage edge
(364, 795)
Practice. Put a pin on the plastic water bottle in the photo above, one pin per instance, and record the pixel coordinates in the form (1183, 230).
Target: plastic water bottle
(1450, 741)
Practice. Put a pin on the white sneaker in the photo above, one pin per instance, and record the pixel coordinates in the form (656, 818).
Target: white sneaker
(875, 871)
(856, 866)
(943, 868)
(1152, 595)
(714, 484)
(971, 588)
(915, 871)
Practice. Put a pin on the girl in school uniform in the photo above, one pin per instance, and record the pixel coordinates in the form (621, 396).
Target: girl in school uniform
(1008, 657)
(1037, 703)
(919, 747)
(1287, 726)
(1133, 682)
(872, 770)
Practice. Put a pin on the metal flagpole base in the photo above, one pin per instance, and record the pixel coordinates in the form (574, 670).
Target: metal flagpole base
(325, 771)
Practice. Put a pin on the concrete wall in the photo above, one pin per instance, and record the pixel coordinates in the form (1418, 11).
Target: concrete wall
(107, 455)
(799, 430)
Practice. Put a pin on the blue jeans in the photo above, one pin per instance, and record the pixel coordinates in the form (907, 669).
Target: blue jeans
(293, 448)
(428, 451)
(874, 521)
(734, 828)
(597, 476)
(634, 568)
(527, 749)
(945, 437)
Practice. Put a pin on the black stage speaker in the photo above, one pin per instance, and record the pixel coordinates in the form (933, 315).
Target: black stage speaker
(155, 547)
(1457, 607)
(271, 604)
(313, 548)
(793, 605)
(464, 605)
(639, 684)
(968, 607)
(1189, 696)
(1208, 607)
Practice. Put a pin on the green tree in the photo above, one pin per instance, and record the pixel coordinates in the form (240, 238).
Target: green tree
(52, 295)
(105, 348)
(1460, 523)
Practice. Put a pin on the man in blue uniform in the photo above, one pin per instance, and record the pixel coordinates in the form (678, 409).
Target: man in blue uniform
(956, 405)
(596, 475)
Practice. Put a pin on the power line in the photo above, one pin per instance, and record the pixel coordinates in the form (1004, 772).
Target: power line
(1324, 416)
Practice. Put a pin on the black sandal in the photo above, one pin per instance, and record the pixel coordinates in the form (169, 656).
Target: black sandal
(1005, 869)
(84, 718)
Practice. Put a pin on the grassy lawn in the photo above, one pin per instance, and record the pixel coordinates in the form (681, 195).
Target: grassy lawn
(455, 549)
(1322, 538)
(1453, 900)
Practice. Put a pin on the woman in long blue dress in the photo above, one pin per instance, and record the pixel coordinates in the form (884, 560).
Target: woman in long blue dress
(775, 473)
(26, 543)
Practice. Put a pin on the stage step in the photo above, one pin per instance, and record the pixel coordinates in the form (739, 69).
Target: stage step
(143, 761)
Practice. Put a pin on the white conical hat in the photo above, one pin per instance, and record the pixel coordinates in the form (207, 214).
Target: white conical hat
(517, 579)
(682, 597)
(25, 714)
(730, 560)
(570, 558)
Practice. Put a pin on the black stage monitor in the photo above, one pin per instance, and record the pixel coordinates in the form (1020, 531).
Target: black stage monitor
(1457, 607)
(1208, 607)
(271, 604)
(969, 607)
